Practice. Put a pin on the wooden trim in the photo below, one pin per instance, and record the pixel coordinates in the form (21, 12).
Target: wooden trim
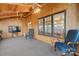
(53, 14)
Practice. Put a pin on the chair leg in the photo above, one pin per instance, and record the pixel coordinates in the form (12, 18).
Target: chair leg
(55, 48)
(74, 54)
(63, 54)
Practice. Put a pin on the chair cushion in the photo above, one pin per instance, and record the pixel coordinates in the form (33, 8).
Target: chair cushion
(72, 36)
(62, 46)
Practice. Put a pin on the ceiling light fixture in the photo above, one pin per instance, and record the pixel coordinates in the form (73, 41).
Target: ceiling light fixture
(36, 7)
(36, 10)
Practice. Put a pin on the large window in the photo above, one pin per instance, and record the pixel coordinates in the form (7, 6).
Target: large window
(58, 25)
(41, 26)
(53, 25)
(47, 25)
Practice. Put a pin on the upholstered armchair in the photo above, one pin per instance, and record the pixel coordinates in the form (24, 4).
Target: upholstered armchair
(70, 43)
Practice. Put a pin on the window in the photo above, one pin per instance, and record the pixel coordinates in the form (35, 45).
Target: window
(12, 29)
(53, 25)
(48, 25)
(58, 25)
(40, 26)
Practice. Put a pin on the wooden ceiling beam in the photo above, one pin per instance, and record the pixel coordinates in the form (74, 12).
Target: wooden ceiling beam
(14, 15)
(2, 18)
(14, 7)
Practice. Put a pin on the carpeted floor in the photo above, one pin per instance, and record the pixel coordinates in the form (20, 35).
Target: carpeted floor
(21, 47)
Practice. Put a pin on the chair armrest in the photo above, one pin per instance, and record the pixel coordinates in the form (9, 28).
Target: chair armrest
(72, 43)
(69, 43)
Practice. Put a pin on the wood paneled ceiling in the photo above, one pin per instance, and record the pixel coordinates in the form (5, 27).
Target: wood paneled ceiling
(10, 10)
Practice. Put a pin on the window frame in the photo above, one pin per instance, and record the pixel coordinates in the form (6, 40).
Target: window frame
(52, 24)
(39, 25)
(45, 24)
(64, 22)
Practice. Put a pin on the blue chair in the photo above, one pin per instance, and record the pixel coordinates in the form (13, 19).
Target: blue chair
(70, 43)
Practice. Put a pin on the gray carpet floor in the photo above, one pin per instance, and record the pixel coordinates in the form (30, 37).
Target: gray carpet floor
(21, 47)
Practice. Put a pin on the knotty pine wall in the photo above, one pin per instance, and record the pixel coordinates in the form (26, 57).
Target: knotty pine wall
(10, 22)
(71, 18)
